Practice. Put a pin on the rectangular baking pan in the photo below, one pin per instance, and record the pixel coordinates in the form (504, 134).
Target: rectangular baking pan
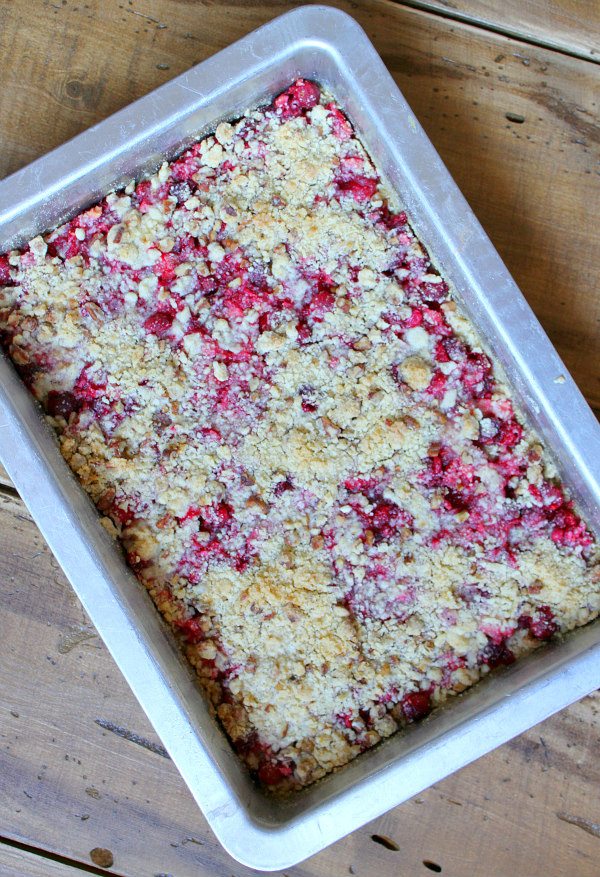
(328, 46)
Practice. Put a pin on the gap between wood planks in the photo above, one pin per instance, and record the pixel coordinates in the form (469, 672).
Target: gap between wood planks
(495, 27)
(36, 856)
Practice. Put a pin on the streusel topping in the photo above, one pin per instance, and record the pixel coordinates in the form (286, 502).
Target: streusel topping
(280, 411)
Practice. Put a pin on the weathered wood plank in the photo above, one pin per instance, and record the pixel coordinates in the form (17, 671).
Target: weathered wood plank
(4, 477)
(571, 26)
(533, 183)
(15, 862)
(69, 785)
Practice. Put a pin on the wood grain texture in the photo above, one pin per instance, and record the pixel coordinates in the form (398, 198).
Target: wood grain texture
(572, 26)
(4, 478)
(534, 185)
(15, 862)
(70, 785)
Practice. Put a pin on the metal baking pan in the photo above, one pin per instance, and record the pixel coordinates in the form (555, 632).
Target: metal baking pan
(326, 45)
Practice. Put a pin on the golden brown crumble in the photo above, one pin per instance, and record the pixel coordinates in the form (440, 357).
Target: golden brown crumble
(279, 410)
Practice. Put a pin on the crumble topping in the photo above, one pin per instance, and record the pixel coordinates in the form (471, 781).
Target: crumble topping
(279, 410)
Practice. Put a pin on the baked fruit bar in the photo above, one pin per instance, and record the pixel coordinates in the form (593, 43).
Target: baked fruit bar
(312, 463)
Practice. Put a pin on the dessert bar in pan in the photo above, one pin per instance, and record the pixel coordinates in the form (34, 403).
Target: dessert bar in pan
(275, 403)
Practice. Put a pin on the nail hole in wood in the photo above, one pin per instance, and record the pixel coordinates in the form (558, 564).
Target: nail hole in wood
(432, 866)
(386, 842)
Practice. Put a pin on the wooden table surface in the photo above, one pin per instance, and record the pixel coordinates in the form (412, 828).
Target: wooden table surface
(509, 94)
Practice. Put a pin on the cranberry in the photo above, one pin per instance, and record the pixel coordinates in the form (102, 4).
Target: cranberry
(304, 331)
(165, 267)
(299, 97)
(66, 244)
(340, 125)
(274, 772)
(416, 705)
(360, 485)
(542, 625)
(5, 339)
(415, 319)
(144, 195)
(345, 719)
(385, 517)
(87, 389)
(184, 169)
(136, 563)
(440, 353)
(216, 517)
(321, 299)
(434, 292)
(391, 221)
(28, 373)
(62, 403)
(360, 187)
(192, 513)
(125, 515)
(321, 302)
(571, 532)
(472, 592)
(496, 654)
(5, 278)
(181, 191)
(159, 323)
(437, 385)
(510, 434)
(477, 372)
(191, 629)
(283, 487)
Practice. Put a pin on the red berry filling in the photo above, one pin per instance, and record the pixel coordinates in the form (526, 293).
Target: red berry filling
(542, 625)
(159, 323)
(62, 404)
(496, 654)
(299, 97)
(416, 705)
(254, 438)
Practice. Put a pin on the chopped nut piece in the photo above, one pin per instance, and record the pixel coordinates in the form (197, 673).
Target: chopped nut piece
(220, 371)
(416, 372)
